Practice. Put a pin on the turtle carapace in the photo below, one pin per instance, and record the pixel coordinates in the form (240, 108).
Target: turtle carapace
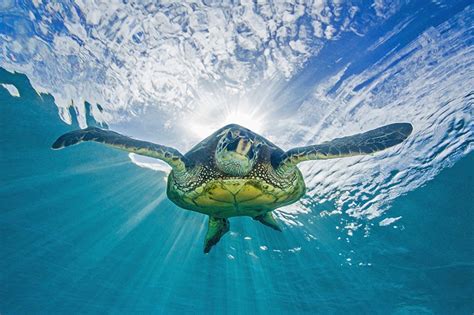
(236, 172)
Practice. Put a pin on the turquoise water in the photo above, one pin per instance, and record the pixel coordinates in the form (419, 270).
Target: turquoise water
(89, 230)
(86, 231)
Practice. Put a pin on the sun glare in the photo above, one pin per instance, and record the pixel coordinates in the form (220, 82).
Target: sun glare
(206, 119)
(245, 117)
(214, 107)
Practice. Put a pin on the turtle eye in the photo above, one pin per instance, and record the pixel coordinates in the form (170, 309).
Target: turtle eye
(251, 153)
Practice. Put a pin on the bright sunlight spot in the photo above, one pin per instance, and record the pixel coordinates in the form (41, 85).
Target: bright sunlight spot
(210, 116)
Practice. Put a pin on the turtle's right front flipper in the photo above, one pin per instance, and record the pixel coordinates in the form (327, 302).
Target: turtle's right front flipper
(217, 227)
(169, 155)
(363, 143)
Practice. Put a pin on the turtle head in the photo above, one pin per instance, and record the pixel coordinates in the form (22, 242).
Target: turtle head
(236, 151)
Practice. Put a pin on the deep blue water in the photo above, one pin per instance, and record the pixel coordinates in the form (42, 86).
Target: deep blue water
(89, 230)
(69, 243)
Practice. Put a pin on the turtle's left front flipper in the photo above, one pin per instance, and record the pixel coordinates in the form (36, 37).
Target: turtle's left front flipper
(167, 154)
(217, 227)
(363, 143)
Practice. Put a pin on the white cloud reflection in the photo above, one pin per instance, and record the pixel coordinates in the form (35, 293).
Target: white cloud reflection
(203, 66)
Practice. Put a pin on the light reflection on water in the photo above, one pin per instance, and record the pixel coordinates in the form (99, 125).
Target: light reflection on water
(174, 75)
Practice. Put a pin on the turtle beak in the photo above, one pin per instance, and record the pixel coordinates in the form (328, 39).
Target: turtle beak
(243, 146)
(236, 154)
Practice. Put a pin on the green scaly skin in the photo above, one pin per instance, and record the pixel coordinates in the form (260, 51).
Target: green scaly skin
(272, 179)
(230, 197)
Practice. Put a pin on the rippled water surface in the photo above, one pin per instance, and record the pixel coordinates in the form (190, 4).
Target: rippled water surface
(90, 230)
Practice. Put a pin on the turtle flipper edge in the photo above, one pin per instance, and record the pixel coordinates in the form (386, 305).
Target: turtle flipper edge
(359, 144)
(269, 220)
(217, 227)
(167, 154)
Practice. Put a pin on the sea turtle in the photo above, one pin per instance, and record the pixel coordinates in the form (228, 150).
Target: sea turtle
(236, 172)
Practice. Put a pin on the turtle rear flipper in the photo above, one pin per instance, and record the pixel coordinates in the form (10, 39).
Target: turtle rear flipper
(269, 220)
(217, 227)
(169, 155)
(363, 143)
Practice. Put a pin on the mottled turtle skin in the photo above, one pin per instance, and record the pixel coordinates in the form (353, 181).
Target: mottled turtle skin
(235, 172)
(208, 190)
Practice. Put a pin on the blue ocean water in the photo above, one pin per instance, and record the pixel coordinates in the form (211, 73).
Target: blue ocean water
(90, 230)
(70, 244)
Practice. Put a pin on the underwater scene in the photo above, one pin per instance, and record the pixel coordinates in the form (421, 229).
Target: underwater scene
(242, 157)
